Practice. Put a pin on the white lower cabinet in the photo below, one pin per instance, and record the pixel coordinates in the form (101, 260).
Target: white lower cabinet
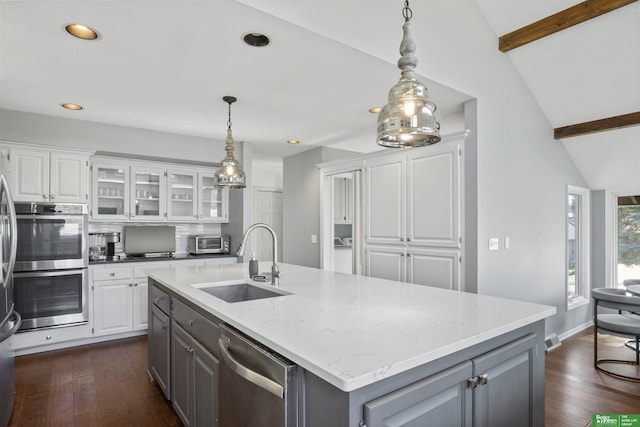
(120, 302)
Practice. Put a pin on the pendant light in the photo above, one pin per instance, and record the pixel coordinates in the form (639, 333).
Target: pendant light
(409, 119)
(229, 174)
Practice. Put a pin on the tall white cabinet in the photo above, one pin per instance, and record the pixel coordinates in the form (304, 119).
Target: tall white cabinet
(412, 216)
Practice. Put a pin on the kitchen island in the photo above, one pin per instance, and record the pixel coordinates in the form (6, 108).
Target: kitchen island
(369, 347)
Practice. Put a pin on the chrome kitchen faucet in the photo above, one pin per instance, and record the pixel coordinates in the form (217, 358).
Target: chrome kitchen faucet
(275, 271)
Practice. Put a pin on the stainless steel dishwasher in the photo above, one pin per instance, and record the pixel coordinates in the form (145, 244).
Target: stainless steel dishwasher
(257, 386)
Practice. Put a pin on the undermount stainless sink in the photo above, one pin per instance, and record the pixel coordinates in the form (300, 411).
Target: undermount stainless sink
(239, 292)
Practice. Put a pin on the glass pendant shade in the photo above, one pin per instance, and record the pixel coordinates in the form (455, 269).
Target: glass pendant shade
(230, 173)
(409, 119)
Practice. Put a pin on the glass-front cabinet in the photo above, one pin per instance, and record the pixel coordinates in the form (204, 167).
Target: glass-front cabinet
(156, 192)
(182, 195)
(110, 191)
(147, 194)
(213, 202)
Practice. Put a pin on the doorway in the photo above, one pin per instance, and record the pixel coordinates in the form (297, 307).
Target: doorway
(342, 237)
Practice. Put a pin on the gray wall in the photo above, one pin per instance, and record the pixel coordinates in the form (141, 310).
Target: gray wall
(301, 204)
(32, 128)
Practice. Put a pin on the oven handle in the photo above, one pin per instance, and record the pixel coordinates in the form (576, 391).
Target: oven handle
(50, 273)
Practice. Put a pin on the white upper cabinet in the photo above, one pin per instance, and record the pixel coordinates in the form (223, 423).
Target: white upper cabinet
(153, 191)
(148, 194)
(342, 200)
(110, 191)
(182, 195)
(433, 197)
(40, 175)
(384, 200)
(213, 205)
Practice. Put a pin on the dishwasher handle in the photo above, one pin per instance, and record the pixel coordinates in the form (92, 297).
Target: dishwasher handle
(249, 375)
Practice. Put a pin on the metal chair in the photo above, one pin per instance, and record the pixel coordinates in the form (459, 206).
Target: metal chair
(626, 323)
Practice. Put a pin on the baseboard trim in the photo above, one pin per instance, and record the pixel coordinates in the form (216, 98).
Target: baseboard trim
(576, 330)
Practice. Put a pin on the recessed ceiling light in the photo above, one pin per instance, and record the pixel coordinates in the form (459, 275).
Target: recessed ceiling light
(375, 110)
(256, 39)
(293, 141)
(70, 106)
(81, 31)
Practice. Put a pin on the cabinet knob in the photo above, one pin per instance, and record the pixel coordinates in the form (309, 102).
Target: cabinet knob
(44, 196)
(52, 196)
(48, 337)
(157, 300)
(408, 239)
(164, 326)
(135, 284)
(402, 239)
(190, 322)
(130, 284)
(112, 274)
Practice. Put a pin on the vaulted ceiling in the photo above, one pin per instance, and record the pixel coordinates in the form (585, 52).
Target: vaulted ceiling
(165, 65)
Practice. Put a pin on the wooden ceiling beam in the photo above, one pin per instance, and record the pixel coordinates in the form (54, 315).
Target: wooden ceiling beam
(601, 125)
(557, 22)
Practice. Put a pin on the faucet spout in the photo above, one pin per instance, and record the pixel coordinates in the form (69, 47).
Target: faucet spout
(275, 271)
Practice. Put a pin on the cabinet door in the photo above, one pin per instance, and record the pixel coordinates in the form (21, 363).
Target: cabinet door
(112, 306)
(213, 202)
(433, 192)
(205, 372)
(508, 397)
(140, 304)
(443, 399)
(181, 373)
(109, 191)
(386, 262)
(339, 216)
(159, 348)
(30, 173)
(434, 267)
(68, 178)
(147, 194)
(384, 201)
(182, 203)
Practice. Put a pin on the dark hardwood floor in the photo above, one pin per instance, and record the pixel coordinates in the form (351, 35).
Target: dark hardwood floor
(107, 384)
(574, 390)
(103, 384)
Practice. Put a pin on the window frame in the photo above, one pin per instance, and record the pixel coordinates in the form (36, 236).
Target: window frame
(583, 248)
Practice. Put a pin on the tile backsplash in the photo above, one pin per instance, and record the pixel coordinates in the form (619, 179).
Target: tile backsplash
(182, 232)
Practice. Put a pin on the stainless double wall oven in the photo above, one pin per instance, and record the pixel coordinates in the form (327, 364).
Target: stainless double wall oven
(51, 272)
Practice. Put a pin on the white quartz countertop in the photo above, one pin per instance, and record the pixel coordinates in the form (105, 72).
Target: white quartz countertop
(353, 330)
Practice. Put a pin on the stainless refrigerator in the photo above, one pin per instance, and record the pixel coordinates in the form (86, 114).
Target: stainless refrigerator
(8, 316)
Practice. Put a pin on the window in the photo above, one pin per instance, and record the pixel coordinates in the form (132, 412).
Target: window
(628, 263)
(578, 246)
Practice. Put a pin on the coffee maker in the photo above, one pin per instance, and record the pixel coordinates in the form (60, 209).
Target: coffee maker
(103, 246)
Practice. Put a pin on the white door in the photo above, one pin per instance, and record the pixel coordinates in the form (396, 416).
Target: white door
(384, 202)
(386, 262)
(268, 210)
(113, 306)
(30, 175)
(433, 192)
(434, 267)
(68, 178)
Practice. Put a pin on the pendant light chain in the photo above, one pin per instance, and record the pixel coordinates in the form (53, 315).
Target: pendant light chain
(407, 12)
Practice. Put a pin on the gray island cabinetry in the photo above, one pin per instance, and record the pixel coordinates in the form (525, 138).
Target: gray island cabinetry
(370, 352)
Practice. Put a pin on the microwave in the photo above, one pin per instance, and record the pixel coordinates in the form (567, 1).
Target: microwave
(207, 244)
